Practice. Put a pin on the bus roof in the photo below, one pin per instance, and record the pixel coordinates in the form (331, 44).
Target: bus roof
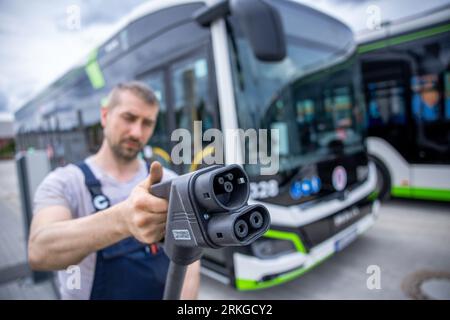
(143, 10)
(137, 13)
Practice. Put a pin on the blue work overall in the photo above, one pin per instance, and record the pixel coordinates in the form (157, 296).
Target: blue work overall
(127, 269)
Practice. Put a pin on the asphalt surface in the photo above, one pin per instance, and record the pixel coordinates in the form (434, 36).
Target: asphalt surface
(409, 241)
(409, 238)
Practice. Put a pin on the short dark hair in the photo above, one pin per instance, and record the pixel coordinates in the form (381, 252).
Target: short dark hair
(138, 88)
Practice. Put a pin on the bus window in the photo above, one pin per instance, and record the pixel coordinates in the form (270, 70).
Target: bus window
(447, 95)
(338, 106)
(155, 81)
(190, 82)
(94, 137)
(386, 104)
(160, 138)
(305, 111)
(305, 122)
(426, 97)
(190, 96)
(429, 110)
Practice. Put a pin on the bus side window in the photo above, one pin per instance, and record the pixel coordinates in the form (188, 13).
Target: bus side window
(191, 101)
(425, 98)
(386, 104)
(160, 138)
(447, 95)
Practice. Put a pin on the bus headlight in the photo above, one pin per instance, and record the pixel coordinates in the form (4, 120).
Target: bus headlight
(267, 248)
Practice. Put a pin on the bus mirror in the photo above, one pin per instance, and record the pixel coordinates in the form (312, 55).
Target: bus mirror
(262, 26)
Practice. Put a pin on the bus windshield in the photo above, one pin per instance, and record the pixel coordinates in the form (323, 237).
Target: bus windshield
(312, 97)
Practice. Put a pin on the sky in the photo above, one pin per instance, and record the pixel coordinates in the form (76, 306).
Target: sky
(41, 39)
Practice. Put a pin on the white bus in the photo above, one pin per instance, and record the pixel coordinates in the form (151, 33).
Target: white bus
(406, 74)
(248, 64)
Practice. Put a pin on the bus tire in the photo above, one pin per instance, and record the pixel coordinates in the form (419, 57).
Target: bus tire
(383, 179)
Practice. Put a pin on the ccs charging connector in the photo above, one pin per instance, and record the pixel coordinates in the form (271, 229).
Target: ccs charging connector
(207, 209)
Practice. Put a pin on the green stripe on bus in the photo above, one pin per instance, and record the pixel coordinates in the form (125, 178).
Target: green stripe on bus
(404, 38)
(402, 192)
(94, 72)
(246, 284)
(421, 193)
(283, 235)
(373, 195)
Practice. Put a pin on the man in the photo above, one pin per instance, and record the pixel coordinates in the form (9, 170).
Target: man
(100, 214)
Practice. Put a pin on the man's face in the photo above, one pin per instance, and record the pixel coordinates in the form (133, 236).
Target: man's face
(129, 125)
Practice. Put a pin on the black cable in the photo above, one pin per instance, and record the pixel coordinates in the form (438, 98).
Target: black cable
(174, 281)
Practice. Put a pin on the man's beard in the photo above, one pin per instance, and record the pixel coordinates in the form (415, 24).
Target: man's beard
(124, 153)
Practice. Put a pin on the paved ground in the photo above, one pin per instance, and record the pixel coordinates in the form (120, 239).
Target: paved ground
(409, 237)
(15, 281)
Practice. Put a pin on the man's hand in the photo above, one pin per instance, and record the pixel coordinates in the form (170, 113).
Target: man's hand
(58, 241)
(144, 214)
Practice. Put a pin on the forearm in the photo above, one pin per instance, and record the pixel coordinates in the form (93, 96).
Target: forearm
(191, 282)
(64, 243)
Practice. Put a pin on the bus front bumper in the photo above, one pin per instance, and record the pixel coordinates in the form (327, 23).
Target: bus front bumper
(253, 273)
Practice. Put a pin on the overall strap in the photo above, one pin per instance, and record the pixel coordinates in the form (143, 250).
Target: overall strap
(147, 165)
(99, 200)
(124, 270)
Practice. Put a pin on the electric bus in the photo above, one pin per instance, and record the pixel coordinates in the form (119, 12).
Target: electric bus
(406, 76)
(248, 64)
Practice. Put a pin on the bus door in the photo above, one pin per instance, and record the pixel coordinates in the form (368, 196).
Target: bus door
(186, 88)
(386, 85)
(430, 105)
(431, 112)
(194, 98)
(160, 141)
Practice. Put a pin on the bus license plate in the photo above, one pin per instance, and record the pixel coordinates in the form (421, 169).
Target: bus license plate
(345, 240)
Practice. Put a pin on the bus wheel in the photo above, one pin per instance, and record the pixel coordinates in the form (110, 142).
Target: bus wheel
(383, 187)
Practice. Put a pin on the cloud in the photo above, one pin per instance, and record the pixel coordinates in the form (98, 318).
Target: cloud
(3, 102)
(38, 44)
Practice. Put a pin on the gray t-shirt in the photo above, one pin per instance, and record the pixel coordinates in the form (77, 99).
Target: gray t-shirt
(65, 186)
